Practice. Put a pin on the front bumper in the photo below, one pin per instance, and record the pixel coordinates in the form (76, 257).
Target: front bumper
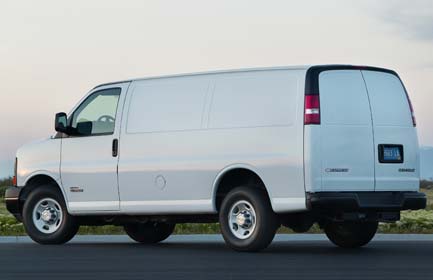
(12, 199)
(359, 201)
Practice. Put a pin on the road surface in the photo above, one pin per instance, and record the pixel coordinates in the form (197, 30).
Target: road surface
(206, 257)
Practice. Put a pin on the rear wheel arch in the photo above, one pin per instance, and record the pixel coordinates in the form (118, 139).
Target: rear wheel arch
(233, 177)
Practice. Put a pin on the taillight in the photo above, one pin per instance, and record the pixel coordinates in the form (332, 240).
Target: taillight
(411, 110)
(312, 109)
(14, 179)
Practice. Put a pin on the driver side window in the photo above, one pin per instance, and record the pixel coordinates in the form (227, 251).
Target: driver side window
(97, 114)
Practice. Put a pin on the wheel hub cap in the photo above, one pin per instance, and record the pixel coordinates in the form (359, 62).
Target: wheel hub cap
(47, 215)
(242, 219)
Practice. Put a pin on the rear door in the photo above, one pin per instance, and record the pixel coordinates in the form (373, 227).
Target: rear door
(395, 138)
(346, 140)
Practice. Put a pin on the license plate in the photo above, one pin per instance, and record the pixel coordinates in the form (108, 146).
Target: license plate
(390, 153)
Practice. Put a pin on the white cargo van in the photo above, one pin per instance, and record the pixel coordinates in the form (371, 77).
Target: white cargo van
(251, 149)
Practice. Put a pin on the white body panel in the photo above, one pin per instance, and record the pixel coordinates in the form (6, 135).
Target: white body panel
(179, 135)
(39, 158)
(169, 162)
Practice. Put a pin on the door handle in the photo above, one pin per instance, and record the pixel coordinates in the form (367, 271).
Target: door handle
(115, 147)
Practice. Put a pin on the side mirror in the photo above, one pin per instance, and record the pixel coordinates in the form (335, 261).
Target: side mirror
(61, 123)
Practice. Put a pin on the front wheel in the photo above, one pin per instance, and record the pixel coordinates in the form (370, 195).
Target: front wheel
(46, 218)
(247, 220)
(148, 233)
(351, 234)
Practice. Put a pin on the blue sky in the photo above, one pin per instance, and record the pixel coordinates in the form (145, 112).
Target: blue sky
(53, 52)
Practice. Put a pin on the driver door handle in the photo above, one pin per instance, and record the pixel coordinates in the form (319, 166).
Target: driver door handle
(115, 147)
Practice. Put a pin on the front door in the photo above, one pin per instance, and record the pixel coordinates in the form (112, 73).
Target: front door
(88, 163)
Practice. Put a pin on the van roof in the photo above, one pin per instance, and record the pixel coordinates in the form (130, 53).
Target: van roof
(297, 67)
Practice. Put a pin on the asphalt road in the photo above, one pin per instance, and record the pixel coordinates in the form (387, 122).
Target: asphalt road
(206, 257)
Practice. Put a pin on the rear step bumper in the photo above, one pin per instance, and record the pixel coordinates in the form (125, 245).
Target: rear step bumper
(376, 201)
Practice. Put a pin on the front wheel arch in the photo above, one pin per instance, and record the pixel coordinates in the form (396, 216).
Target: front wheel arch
(38, 181)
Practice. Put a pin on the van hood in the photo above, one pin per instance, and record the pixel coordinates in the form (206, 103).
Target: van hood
(34, 144)
(39, 157)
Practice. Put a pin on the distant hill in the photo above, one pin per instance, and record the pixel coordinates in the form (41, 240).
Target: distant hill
(6, 168)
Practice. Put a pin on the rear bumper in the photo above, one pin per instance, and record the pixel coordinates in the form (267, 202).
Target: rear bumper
(374, 201)
(12, 199)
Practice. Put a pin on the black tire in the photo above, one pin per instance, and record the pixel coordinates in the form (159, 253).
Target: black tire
(68, 225)
(351, 234)
(266, 220)
(149, 233)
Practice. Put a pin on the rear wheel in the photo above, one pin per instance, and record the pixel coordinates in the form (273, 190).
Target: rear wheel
(247, 220)
(148, 233)
(351, 234)
(46, 218)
